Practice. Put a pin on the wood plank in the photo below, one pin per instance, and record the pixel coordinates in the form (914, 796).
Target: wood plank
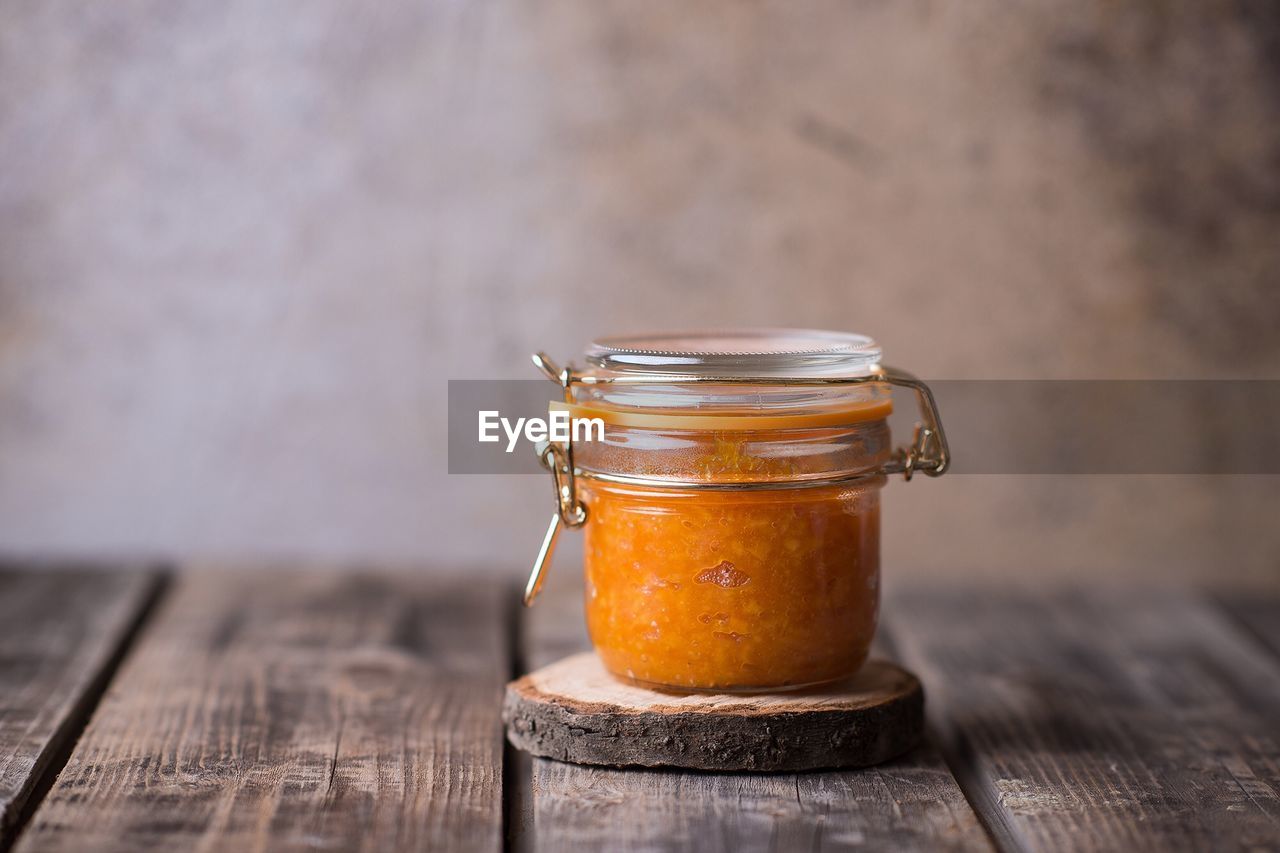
(61, 633)
(1108, 720)
(289, 710)
(908, 804)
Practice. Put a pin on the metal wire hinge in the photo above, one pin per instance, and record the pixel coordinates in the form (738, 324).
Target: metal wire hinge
(927, 453)
(558, 459)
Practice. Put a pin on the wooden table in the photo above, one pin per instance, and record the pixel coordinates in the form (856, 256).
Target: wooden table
(281, 709)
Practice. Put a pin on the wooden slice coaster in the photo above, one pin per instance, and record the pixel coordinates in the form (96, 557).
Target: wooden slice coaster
(573, 710)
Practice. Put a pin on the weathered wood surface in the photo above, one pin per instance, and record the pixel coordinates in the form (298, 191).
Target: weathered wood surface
(574, 710)
(296, 711)
(911, 803)
(1139, 720)
(61, 632)
(360, 711)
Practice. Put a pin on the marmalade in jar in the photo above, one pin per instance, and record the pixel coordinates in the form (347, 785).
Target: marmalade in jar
(732, 591)
(731, 509)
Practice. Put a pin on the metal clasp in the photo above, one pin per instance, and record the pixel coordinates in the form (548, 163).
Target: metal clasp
(928, 451)
(558, 459)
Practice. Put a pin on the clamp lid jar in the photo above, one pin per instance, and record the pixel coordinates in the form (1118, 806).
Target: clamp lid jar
(731, 507)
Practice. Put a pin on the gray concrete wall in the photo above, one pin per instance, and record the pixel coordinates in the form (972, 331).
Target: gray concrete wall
(243, 245)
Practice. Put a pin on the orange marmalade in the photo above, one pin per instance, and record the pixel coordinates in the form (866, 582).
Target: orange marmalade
(732, 591)
(732, 532)
(736, 589)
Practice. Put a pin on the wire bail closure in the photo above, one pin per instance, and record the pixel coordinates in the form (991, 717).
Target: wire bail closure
(927, 453)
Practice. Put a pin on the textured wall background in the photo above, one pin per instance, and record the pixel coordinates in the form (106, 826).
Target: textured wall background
(243, 245)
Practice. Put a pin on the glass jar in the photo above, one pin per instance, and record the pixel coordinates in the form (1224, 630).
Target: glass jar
(731, 509)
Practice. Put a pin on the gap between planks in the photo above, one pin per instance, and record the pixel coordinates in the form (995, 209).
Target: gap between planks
(957, 754)
(517, 766)
(62, 742)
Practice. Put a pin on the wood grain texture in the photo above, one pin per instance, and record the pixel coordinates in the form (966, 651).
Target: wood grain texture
(574, 710)
(60, 633)
(911, 803)
(296, 711)
(1109, 720)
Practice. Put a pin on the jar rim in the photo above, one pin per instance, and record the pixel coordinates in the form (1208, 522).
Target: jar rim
(765, 352)
(782, 359)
